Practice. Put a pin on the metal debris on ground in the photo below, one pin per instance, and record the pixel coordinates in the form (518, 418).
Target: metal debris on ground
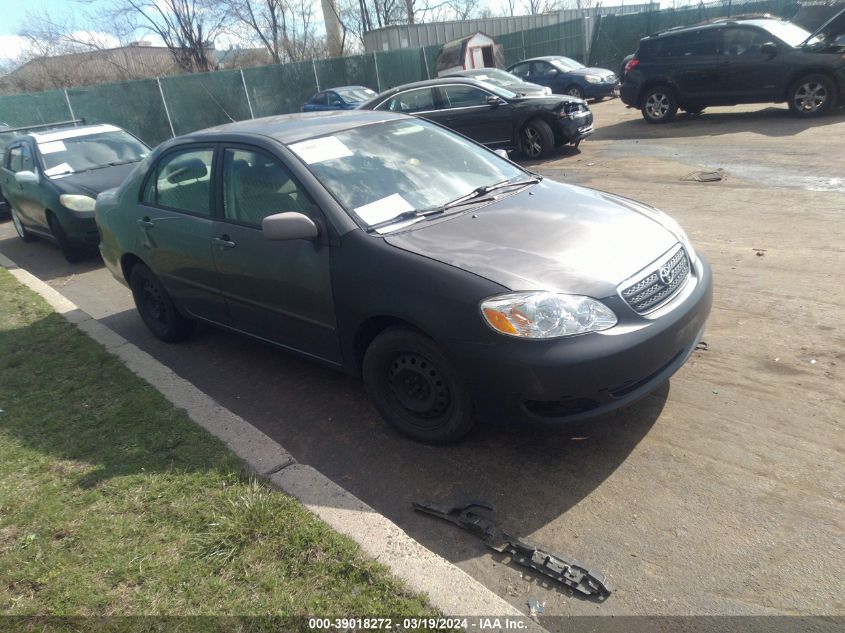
(564, 570)
(706, 176)
(759, 251)
(535, 607)
(702, 346)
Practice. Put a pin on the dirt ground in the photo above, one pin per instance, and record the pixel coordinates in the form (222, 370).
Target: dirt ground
(720, 494)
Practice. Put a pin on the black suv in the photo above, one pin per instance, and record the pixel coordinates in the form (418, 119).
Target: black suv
(741, 60)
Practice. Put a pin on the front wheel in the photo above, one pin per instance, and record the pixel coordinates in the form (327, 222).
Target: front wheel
(659, 105)
(575, 91)
(414, 387)
(20, 229)
(536, 139)
(71, 253)
(157, 308)
(813, 95)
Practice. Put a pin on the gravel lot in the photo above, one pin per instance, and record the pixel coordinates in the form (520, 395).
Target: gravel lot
(722, 493)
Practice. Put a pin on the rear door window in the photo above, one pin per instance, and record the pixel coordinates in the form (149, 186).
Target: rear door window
(419, 100)
(700, 43)
(463, 96)
(182, 181)
(739, 41)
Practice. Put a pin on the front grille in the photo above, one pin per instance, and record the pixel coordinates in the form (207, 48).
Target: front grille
(572, 107)
(659, 285)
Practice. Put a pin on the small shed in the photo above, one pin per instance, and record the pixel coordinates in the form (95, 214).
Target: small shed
(478, 50)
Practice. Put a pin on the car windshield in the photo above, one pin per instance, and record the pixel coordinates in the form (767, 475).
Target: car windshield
(381, 171)
(90, 151)
(565, 64)
(790, 33)
(355, 94)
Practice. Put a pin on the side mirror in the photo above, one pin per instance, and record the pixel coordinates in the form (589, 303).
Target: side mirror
(26, 178)
(769, 48)
(494, 101)
(290, 225)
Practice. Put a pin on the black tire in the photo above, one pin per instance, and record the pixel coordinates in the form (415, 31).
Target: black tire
(414, 387)
(536, 139)
(574, 91)
(812, 95)
(71, 253)
(20, 229)
(660, 105)
(157, 308)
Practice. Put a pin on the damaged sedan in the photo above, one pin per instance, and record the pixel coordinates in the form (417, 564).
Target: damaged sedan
(453, 281)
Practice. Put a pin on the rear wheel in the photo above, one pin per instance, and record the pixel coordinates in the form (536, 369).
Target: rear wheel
(414, 387)
(72, 253)
(20, 229)
(574, 91)
(659, 104)
(813, 95)
(536, 139)
(156, 307)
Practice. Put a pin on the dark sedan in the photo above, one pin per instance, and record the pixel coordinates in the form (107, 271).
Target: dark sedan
(492, 115)
(342, 98)
(51, 178)
(451, 279)
(503, 79)
(566, 76)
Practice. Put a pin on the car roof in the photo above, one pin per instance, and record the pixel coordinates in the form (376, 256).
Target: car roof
(291, 128)
(542, 58)
(61, 134)
(761, 21)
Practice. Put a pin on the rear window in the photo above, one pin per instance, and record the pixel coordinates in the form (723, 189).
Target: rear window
(681, 46)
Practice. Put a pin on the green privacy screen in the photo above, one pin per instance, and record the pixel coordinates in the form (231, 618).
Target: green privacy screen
(202, 100)
(280, 89)
(34, 108)
(118, 103)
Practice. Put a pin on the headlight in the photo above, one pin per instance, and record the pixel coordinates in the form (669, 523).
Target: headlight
(547, 91)
(543, 315)
(592, 79)
(77, 203)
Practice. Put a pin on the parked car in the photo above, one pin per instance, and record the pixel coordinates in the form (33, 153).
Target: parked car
(343, 98)
(386, 246)
(503, 79)
(733, 61)
(567, 76)
(493, 115)
(51, 178)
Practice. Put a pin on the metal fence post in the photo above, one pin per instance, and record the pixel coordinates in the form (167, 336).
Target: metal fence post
(425, 61)
(378, 79)
(316, 78)
(246, 92)
(70, 108)
(166, 109)
(524, 54)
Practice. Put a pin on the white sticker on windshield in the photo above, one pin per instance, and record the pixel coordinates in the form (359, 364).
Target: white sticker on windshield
(62, 169)
(384, 209)
(52, 147)
(317, 150)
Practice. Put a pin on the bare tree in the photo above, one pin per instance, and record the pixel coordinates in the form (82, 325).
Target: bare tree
(286, 28)
(187, 27)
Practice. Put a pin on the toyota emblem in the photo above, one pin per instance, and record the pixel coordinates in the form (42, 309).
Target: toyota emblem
(665, 274)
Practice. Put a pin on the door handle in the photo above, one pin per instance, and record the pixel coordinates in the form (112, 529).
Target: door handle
(146, 223)
(223, 242)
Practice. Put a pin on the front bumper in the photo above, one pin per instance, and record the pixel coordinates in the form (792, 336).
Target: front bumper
(590, 375)
(79, 227)
(601, 91)
(577, 128)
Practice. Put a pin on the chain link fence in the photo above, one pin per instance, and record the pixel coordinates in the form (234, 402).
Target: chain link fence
(157, 109)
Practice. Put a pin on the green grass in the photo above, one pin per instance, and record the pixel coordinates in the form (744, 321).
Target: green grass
(112, 502)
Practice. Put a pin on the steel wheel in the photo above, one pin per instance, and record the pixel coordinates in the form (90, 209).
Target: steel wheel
(810, 97)
(153, 303)
(418, 386)
(156, 307)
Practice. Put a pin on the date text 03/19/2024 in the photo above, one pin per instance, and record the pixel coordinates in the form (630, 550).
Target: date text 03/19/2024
(417, 624)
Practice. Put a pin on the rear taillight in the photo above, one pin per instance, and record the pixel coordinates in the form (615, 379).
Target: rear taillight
(631, 64)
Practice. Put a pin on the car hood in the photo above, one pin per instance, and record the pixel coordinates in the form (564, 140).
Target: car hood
(549, 237)
(95, 181)
(831, 29)
(591, 71)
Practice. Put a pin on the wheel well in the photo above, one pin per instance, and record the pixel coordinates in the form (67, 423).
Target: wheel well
(127, 263)
(370, 329)
(805, 73)
(550, 120)
(651, 84)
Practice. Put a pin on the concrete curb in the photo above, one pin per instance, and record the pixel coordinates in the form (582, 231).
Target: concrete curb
(449, 589)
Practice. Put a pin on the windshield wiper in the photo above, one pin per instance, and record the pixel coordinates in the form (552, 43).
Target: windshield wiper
(407, 215)
(123, 162)
(477, 194)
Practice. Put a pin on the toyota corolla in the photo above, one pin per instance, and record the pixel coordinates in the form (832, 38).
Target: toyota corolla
(453, 281)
